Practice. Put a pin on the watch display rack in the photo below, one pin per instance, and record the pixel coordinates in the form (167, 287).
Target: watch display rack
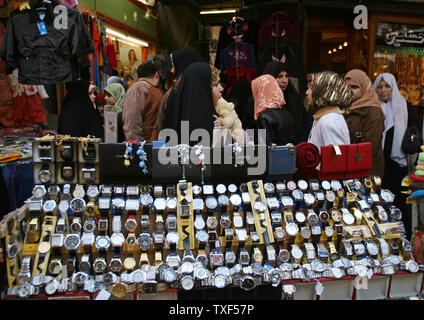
(145, 238)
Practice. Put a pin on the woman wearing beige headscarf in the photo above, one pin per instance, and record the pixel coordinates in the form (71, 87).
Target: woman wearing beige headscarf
(365, 118)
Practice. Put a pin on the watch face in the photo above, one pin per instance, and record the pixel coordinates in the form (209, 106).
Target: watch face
(77, 205)
(300, 217)
(55, 266)
(171, 222)
(99, 265)
(329, 231)
(312, 218)
(211, 203)
(172, 237)
(72, 241)
(131, 225)
(92, 192)
(197, 190)
(199, 223)
(387, 196)
(201, 273)
(160, 204)
(235, 200)
(316, 229)
(223, 200)
(89, 226)
(232, 188)
(273, 203)
(63, 206)
(324, 216)
(336, 185)
(146, 200)
(326, 185)
(117, 239)
(102, 242)
(269, 187)
(292, 229)
(138, 276)
(45, 175)
(330, 196)
(39, 191)
(115, 265)
(220, 281)
(297, 253)
(49, 206)
(412, 266)
(309, 199)
(247, 284)
(305, 233)
(336, 215)
(187, 283)
(238, 221)
(220, 189)
(202, 236)
(144, 241)
(281, 187)
(348, 218)
(284, 255)
(297, 195)
(303, 185)
(198, 204)
(171, 203)
(291, 185)
(318, 266)
(84, 266)
(287, 201)
(259, 206)
(211, 222)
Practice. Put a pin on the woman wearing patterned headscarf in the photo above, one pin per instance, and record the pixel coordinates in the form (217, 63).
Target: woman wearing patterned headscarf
(365, 118)
(269, 111)
(330, 95)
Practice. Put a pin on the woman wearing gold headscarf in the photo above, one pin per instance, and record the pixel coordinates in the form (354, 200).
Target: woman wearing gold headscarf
(330, 95)
(365, 118)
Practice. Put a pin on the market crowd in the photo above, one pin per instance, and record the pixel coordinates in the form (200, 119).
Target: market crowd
(336, 110)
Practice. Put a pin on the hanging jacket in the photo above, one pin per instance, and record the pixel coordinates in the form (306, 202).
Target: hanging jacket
(51, 58)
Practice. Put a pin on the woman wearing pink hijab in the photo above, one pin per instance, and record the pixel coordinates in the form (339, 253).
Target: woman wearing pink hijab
(269, 111)
(71, 3)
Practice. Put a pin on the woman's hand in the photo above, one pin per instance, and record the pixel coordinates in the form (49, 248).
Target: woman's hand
(217, 122)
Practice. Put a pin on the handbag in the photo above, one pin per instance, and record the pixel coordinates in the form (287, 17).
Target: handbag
(359, 160)
(333, 162)
(412, 140)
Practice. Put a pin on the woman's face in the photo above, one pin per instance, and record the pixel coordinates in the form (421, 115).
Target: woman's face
(355, 88)
(101, 109)
(309, 97)
(283, 80)
(110, 100)
(217, 92)
(384, 91)
(131, 55)
(92, 95)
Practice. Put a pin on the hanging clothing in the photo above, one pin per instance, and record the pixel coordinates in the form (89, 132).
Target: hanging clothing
(234, 74)
(237, 54)
(50, 58)
(276, 25)
(194, 100)
(249, 31)
(78, 118)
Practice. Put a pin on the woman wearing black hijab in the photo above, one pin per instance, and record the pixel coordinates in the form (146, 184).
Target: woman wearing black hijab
(303, 120)
(168, 114)
(194, 102)
(78, 118)
(240, 94)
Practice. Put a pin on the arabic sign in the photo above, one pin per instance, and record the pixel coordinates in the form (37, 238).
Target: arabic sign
(399, 35)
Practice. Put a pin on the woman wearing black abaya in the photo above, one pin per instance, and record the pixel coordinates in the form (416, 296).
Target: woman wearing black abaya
(194, 100)
(78, 118)
(294, 105)
(240, 94)
(168, 114)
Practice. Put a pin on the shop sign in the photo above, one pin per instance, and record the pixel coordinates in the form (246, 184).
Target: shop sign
(400, 35)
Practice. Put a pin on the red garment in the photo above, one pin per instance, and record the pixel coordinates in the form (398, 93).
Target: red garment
(234, 74)
(28, 110)
(416, 177)
(111, 54)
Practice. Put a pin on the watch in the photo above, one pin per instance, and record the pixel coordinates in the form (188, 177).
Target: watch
(298, 197)
(131, 223)
(309, 199)
(347, 217)
(380, 213)
(372, 248)
(276, 219)
(395, 214)
(320, 196)
(302, 185)
(359, 249)
(305, 232)
(316, 232)
(300, 217)
(296, 253)
(348, 249)
(387, 196)
(324, 217)
(280, 188)
(336, 215)
(279, 234)
(333, 252)
(115, 264)
(312, 217)
(322, 251)
(287, 202)
(102, 242)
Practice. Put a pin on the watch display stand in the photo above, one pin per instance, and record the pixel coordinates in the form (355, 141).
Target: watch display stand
(337, 290)
(405, 285)
(305, 291)
(377, 289)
